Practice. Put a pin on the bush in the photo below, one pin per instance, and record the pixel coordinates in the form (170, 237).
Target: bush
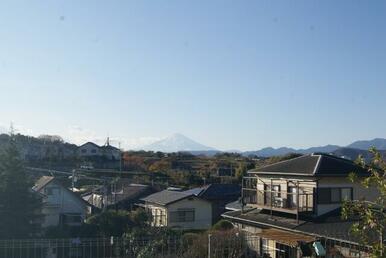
(139, 217)
(223, 225)
(111, 222)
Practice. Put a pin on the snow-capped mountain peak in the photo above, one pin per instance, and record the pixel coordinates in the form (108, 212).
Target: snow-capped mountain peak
(176, 142)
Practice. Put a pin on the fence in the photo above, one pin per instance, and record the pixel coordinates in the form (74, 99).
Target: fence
(191, 245)
(224, 245)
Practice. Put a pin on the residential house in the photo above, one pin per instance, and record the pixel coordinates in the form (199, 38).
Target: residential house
(60, 205)
(121, 195)
(178, 210)
(219, 195)
(293, 207)
(90, 149)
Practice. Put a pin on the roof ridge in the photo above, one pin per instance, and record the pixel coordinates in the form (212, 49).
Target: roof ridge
(340, 159)
(45, 181)
(282, 161)
(206, 187)
(317, 164)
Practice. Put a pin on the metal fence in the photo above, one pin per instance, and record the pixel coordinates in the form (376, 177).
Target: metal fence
(220, 245)
(125, 248)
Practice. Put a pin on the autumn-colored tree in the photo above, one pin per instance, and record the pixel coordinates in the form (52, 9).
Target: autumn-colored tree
(242, 169)
(371, 215)
(160, 166)
(134, 162)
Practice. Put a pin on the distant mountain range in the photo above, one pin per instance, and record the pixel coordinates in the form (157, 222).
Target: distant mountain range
(350, 151)
(179, 142)
(378, 143)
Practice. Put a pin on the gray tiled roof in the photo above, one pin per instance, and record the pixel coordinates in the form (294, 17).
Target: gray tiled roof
(42, 182)
(234, 206)
(316, 164)
(166, 197)
(45, 180)
(329, 226)
(259, 217)
(216, 191)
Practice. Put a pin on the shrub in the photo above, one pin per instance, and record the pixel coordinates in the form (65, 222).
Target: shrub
(223, 225)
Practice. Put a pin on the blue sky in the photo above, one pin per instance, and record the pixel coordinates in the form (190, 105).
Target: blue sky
(229, 74)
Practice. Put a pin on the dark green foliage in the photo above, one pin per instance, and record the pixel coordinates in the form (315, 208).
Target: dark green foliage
(111, 222)
(222, 225)
(108, 223)
(19, 206)
(139, 217)
(85, 230)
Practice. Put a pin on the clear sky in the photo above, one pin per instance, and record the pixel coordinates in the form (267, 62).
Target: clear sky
(229, 74)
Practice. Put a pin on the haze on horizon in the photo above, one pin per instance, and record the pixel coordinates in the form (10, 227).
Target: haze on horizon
(230, 75)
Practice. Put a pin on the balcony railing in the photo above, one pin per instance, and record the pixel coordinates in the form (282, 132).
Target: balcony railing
(300, 200)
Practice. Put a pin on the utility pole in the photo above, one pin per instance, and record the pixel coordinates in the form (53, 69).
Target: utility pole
(104, 199)
(120, 159)
(209, 251)
(73, 180)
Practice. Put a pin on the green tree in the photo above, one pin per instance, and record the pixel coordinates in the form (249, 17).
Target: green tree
(222, 225)
(139, 217)
(111, 222)
(370, 215)
(20, 207)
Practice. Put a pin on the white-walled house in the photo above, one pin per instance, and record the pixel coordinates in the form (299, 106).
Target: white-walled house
(178, 210)
(60, 205)
(292, 205)
(90, 149)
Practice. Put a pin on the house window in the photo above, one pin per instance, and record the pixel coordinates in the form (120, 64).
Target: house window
(334, 195)
(159, 217)
(346, 194)
(93, 151)
(83, 150)
(185, 215)
(276, 190)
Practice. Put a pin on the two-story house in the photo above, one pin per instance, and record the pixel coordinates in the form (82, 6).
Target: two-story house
(294, 205)
(178, 210)
(90, 149)
(60, 205)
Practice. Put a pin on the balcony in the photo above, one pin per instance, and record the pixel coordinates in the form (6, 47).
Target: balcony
(295, 200)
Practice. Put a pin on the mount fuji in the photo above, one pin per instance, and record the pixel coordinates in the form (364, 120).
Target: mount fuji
(176, 142)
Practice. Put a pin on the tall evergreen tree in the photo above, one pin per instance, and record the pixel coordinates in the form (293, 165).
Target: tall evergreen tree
(19, 205)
